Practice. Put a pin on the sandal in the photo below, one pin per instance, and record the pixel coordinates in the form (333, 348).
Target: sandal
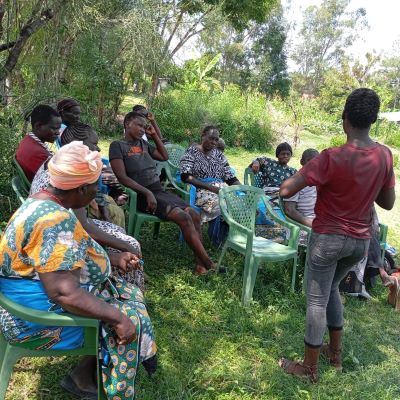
(393, 293)
(299, 370)
(69, 385)
(333, 356)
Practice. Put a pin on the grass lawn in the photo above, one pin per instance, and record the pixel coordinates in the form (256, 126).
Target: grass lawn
(212, 348)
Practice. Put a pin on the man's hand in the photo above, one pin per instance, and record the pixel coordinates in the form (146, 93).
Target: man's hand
(255, 166)
(150, 116)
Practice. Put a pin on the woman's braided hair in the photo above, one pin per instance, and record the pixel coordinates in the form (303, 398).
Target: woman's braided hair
(362, 107)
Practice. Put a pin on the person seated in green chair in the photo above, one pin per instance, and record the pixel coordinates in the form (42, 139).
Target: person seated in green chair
(50, 263)
(274, 172)
(300, 207)
(205, 167)
(133, 162)
(33, 151)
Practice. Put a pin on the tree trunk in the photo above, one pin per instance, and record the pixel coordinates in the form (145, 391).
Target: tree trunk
(153, 88)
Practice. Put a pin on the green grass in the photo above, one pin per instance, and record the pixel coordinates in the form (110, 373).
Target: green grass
(211, 348)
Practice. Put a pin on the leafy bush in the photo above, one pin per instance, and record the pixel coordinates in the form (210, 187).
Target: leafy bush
(10, 135)
(242, 121)
(389, 132)
(338, 140)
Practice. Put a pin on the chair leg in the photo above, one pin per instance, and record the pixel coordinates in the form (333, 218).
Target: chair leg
(224, 248)
(138, 225)
(131, 223)
(10, 356)
(249, 278)
(156, 231)
(294, 271)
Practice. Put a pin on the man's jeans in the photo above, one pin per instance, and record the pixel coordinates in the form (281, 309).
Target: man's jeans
(331, 257)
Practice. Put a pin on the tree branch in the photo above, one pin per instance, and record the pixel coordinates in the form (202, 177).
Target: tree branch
(6, 46)
(26, 32)
(168, 42)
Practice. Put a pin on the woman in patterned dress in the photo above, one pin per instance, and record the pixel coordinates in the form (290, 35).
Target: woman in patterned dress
(47, 260)
(274, 172)
(205, 167)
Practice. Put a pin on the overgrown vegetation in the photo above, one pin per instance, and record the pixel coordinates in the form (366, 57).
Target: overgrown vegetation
(243, 121)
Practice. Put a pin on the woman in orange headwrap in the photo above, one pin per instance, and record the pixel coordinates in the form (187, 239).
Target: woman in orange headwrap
(47, 260)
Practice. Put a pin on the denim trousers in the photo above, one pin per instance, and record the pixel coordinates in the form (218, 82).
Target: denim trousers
(331, 257)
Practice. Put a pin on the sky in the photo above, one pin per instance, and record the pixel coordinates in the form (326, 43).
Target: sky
(382, 16)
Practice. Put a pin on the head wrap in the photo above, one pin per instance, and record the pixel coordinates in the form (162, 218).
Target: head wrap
(66, 104)
(74, 165)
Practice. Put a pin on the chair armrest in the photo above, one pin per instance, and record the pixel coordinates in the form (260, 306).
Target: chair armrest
(132, 201)
(181, 192)
(44, 317)
(294, 229)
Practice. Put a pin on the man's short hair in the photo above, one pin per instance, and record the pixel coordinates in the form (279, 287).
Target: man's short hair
(43, 114)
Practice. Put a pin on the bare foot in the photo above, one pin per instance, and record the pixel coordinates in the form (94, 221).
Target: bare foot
(200, 270)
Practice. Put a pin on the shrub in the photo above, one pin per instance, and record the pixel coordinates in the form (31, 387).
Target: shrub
(242, 120)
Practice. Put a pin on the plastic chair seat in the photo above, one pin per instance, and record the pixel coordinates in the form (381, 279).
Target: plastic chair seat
(263, 248)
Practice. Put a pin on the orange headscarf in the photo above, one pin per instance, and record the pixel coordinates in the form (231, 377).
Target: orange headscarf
(74, 165)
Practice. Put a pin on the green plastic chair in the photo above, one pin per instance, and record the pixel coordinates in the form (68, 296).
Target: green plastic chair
(175, 153)
(252, 179)
(238, 207)
(136, 218)
(19, 189)
(10, 353)
(21, 174)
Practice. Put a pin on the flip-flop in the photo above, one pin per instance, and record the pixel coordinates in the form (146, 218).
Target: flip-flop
(69, 385)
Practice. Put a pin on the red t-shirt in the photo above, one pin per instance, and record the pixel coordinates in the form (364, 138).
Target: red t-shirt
(348, 180)
(30, 155)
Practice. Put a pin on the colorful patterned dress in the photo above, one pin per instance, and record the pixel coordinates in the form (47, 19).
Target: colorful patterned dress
(44, 237)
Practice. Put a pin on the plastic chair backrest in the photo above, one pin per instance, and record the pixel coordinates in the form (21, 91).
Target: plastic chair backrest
(240, 203)
(175, 153)
(19, 189)
(20, 172)
(252, 179)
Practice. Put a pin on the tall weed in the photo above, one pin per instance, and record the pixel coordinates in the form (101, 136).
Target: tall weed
(242, 120)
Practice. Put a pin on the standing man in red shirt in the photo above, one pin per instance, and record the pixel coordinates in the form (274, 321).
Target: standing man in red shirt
(349, 179)
(32, 151)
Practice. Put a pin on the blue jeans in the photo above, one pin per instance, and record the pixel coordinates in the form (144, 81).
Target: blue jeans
(331, 257)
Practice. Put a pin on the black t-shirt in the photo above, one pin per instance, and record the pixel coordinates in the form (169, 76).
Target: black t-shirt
(137, 156)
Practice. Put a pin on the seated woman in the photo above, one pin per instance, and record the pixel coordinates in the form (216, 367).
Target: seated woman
(274, 172)
(107, 234)
(133, 162)
(104, 206)
(47, 260)
(70, 111)
(205, 167)
(32, 151)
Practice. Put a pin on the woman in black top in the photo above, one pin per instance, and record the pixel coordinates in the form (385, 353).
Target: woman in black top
(132, 161)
